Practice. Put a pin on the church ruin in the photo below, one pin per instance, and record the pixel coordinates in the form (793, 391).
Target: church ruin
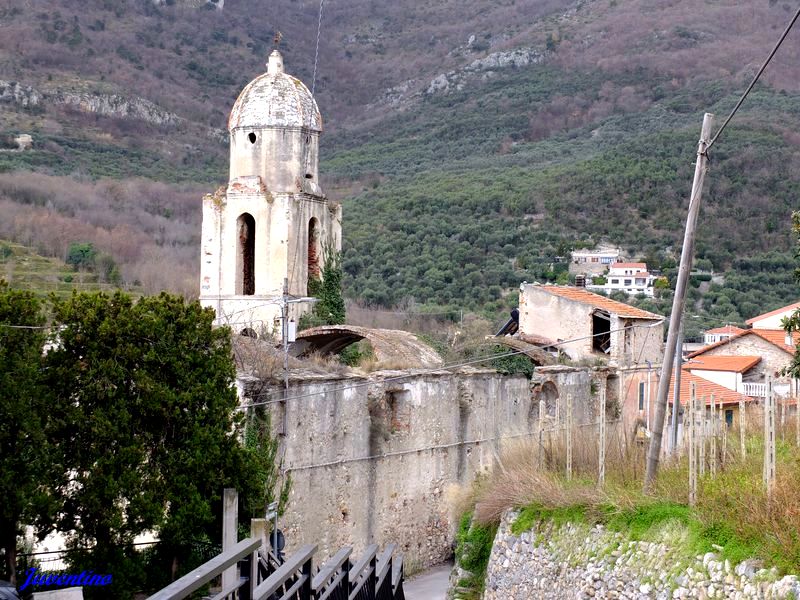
(272, 223)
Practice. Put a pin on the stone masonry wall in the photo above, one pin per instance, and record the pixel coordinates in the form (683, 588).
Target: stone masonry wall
(371, 458)
(578, 561)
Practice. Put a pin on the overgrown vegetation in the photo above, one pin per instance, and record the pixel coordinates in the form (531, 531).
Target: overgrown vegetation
(473, 547)
(458, 195)
(121, 429)
(733, 511)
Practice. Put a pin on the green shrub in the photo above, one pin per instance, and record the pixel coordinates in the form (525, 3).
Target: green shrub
(473, 548)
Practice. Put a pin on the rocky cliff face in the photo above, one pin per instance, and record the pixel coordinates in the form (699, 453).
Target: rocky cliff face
(17, 93)
(107, 105)
(191, 3)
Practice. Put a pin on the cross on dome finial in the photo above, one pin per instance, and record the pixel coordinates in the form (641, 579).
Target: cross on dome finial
(277, 39)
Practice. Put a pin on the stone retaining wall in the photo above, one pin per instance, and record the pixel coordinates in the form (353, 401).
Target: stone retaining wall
(582, 561)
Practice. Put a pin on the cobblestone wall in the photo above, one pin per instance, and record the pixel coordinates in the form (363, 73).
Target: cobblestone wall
(579, 561)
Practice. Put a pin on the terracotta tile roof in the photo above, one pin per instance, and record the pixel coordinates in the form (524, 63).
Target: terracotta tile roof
(735, 364)
(772, 313)
(619, 265)
(704, 387)
(584, 296)
(773, 336)
(778, 337)
(732, 329)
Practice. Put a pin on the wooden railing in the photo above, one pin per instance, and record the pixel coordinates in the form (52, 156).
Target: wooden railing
(371, 577)
(245, 551)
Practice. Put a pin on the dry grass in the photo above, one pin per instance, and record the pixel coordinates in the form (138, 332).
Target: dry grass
(733, 508)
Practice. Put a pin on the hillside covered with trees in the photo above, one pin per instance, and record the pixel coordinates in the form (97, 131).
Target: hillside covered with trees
(471, 143)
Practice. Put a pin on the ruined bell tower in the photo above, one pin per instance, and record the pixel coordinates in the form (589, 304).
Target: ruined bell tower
(272, 222)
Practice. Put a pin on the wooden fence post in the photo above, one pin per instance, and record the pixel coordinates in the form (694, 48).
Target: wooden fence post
(569, 436)
(601, 460)
(692, 445)
(713, 464)
(769, 437)
(742, 427)
(230, 516)
(796, 412)
(701, 438)
(542, 409)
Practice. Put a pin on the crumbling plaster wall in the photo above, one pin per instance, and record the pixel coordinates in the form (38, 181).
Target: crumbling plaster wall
(372, 463)
(558, 319)
(372, 458)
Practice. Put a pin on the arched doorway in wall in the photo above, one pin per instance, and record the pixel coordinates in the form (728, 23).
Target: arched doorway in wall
(547, 392)
(314, 250)
(246, 255)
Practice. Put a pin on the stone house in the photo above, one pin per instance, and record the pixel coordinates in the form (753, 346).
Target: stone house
(592, 329)
(593, 262)
(774, 347)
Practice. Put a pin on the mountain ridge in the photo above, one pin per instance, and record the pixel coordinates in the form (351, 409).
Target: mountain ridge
(585, 114)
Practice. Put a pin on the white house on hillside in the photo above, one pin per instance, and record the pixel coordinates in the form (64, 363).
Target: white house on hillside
(631, 278)
(593, 262)
(712, 336)
(772, 319)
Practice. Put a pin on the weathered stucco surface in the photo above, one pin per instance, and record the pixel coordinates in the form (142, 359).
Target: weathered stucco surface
(372, 464)
(560, 319)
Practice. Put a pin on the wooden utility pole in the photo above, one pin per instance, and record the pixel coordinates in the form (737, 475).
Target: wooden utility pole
(676, 399)
(676, 316)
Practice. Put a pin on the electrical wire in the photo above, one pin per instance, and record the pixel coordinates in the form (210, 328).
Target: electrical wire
(343, 461)
(755, 79)
(316, 51)
(433, 370)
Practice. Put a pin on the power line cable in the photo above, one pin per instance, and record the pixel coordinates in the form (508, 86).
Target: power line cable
(755, 79)
(316, 51)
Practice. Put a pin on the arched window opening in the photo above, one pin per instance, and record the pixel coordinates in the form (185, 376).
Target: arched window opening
(313, 249)
(245, 256)
(252, 137)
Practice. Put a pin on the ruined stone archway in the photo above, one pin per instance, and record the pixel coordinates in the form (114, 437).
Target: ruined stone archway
(393, 348)
(547, 392)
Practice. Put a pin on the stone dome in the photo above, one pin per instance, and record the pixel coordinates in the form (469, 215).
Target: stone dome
(275, 99)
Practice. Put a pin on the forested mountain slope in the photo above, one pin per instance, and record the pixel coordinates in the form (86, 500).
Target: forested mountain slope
(472, 142)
